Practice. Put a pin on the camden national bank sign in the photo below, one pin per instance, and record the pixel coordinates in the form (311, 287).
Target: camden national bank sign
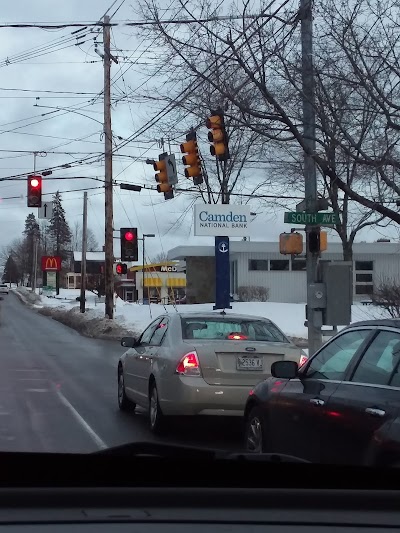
(224, 220)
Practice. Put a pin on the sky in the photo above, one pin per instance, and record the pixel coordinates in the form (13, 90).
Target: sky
(51, 104)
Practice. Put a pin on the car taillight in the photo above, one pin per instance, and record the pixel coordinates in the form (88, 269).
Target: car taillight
(303, 360)
(189, 365)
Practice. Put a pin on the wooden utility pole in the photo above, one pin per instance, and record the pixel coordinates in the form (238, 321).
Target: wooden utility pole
(314, 318)
(83, 258)
(109, 251)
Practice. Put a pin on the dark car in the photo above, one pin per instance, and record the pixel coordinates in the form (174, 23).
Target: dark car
(342, 406)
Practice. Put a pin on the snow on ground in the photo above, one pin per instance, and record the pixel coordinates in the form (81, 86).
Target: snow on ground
(288, 317)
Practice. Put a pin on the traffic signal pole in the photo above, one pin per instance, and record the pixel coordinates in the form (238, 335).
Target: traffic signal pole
(109, 252)
(314, 317)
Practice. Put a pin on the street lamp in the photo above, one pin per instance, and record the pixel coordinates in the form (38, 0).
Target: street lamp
(143, 239)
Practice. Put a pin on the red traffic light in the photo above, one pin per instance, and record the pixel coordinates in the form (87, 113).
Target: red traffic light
(129, 236)
(34, 193)
(119, 268)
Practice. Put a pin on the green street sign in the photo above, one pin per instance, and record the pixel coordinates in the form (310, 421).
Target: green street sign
(316, 219)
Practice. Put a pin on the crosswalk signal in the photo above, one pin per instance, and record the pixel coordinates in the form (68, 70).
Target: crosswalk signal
(192, 158)
(129, 244)
(218, 135)
(314, 238)
(162, 178)
(34, 195)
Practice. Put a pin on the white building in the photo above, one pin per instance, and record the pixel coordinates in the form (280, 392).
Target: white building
(261, 264)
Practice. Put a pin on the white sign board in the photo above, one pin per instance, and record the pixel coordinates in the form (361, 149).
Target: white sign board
(46, 211)
(223, 219)
(51, 279)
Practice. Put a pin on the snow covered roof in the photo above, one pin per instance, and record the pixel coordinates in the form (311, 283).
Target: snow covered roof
(90, 256)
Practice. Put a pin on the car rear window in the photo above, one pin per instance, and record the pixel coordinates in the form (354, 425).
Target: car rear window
(220, 328)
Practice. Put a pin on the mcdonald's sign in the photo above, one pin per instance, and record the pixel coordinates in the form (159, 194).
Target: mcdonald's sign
(51, 263)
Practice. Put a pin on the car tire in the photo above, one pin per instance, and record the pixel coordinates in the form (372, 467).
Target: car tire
(124, 403)
(255, 432)
(156, 416)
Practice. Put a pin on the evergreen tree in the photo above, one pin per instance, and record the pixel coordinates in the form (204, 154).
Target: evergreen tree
(31, 233)
(10, 274)
(59, 232)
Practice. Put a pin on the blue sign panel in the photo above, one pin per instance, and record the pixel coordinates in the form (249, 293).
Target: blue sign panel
(222, 273)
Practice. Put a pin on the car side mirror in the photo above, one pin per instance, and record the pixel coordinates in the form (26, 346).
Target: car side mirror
(284, 369)
(129, 342)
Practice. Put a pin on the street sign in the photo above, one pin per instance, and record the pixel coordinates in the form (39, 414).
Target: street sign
(312, 219)
(46, 211)
(171, 169)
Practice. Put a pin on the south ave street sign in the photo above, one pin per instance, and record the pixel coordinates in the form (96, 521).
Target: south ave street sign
(317, 219)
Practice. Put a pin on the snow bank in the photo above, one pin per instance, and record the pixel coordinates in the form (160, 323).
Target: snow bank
(135, 317)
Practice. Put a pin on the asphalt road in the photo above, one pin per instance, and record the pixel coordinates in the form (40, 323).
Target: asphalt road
(58, 392)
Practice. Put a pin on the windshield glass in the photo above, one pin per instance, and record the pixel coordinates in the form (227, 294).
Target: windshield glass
(218, 184)
(231, 329)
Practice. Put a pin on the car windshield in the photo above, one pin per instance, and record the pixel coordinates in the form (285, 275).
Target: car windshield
(218, 184)
(213, 328)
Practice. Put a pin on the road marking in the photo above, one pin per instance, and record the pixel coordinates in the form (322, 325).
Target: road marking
(99, 441)
(38, 390)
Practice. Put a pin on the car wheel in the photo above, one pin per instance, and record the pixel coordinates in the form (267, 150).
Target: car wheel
(156, 416)
(255, 434)
(124, 403)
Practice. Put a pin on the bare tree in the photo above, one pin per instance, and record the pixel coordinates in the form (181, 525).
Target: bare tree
(356, 51)
(76, 242)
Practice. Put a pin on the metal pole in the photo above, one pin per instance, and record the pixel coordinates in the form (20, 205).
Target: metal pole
(109, 252)
(83, 259)
(143, 269)
(314, 317)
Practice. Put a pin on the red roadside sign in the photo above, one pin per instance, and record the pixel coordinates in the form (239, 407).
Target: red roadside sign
(51, 263)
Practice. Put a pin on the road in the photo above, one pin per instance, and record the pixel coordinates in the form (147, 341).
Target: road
(58, 392)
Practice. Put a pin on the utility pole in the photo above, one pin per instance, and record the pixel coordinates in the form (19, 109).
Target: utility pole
(314, 317)
(35, 259)
(83, 258)
(108, 192)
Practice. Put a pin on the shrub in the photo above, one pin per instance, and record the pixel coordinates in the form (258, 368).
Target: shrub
(387, 296)
(253, 294)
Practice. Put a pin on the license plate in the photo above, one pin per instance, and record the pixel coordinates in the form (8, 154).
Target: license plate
(249, 363)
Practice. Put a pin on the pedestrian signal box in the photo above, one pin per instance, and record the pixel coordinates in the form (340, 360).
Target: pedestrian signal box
(291, 243)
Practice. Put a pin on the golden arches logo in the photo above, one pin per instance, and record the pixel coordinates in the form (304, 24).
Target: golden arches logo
(51, 263)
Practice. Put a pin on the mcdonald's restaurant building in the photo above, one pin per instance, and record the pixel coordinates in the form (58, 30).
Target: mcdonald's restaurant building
(160, 282)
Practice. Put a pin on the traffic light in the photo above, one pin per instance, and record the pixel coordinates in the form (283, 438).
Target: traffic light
(129, 244)
(192, 158)
(162, 178)
(314, 241)
(218, 135)
(34, 191)
(121, 268)
(317, 241)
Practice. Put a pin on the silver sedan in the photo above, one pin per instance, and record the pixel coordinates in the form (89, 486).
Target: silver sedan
(199, 364)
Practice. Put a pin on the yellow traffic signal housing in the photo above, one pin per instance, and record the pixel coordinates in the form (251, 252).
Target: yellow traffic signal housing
(161, 168)
(218, 136)
(323, 241)
(192, 158)
(291, 243)
(162, 177)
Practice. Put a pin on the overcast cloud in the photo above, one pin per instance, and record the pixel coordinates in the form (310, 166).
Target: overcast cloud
(28, 123)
